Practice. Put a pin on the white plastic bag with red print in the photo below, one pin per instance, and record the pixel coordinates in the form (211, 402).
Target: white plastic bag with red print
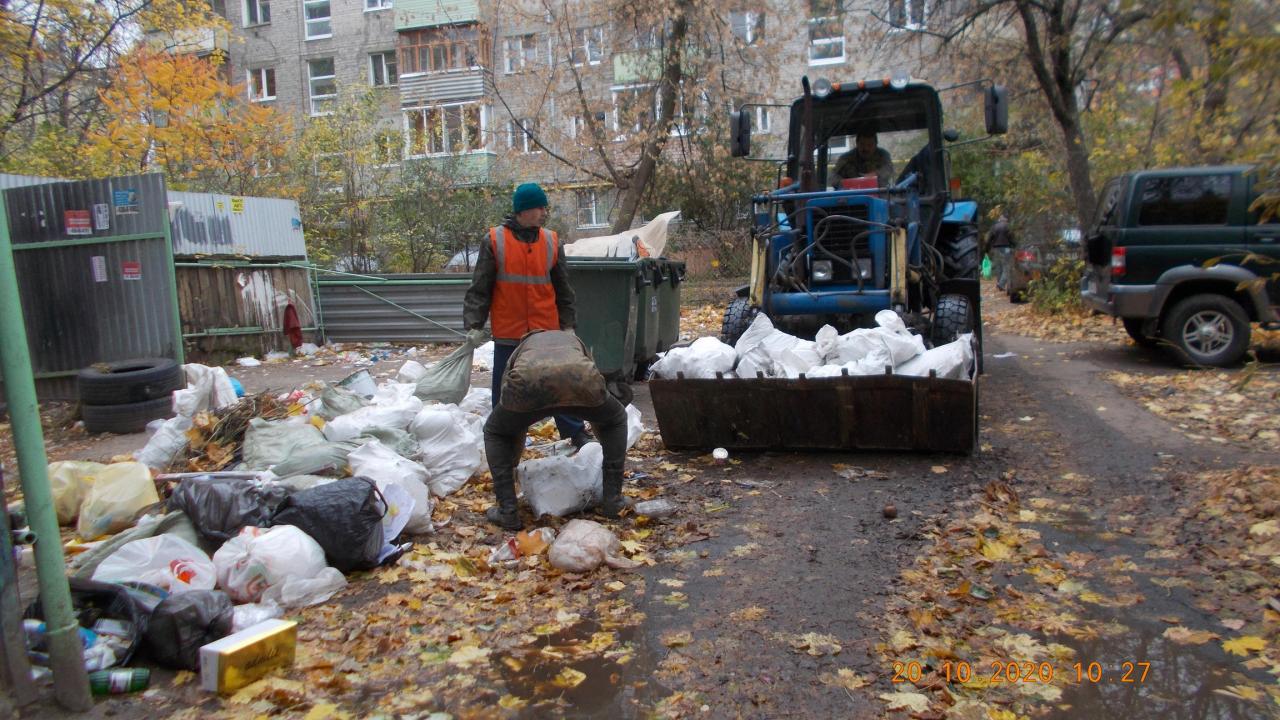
(260, 559)
(164, 560)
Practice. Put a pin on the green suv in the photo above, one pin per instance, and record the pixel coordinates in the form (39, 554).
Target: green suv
(1179, 257)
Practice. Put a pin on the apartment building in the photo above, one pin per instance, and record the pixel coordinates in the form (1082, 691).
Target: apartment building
(507, 91)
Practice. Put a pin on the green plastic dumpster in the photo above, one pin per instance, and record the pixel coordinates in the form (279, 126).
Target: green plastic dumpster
(671, 275)
(606, 292)
(648, 305)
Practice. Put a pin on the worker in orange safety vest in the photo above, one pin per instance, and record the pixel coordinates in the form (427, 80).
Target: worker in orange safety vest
(521, 284)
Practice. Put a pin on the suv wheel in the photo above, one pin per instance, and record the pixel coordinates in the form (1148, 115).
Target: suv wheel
(1207, 330)
(1133, 326)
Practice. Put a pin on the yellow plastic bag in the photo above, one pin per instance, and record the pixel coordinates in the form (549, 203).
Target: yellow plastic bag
(70, 480)
(118, 492)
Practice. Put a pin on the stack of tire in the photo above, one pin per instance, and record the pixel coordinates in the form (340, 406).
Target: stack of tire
(123, 396)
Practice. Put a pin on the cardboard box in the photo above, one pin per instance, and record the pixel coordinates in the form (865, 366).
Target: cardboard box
(236, 660)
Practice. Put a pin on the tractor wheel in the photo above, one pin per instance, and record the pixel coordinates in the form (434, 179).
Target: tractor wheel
(952, 318)
(961, 259)
(737, 318)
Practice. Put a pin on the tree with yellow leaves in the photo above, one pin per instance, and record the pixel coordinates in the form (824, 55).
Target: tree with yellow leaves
(176, 114)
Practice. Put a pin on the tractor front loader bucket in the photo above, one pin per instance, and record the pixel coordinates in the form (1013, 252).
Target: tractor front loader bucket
(876, 412)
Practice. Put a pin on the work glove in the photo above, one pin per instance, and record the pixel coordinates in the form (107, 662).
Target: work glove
(477, 337)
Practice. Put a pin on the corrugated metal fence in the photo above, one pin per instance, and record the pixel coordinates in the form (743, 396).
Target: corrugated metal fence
(95, 274)
(208, 224)
(393, 308)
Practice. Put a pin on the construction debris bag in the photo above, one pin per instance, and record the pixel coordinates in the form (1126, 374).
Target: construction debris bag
(398, 439)
(166, 444)
(381, 464)
(344, 516)
(563, 484)
(704, 358)
(635, 426)
(953, 360)
(335, 401)
(551, 368)
(182, 623)
(448, 380)
(269, 442)
(395, 415)
(220, 507)
(447, 446)
(328, 458)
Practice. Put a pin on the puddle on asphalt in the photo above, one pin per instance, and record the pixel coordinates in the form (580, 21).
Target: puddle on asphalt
(540, 673)
(1139, 674)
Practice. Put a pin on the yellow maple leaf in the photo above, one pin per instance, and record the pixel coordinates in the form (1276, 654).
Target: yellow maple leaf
(468, 655)
(677, 639)
(995, 550)
(569, 678)
(845, 678)
(325, 711)
(913, 701)
(631, 546)
(1264, 529)
(511, 702)
(1243, 644)
(1240, 692)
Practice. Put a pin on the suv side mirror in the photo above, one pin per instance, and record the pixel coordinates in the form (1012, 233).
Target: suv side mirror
(951, 134)
(740, 133)
(996, 108)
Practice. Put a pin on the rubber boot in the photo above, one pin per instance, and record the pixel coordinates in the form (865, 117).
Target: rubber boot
(506, 512)
(613, 503)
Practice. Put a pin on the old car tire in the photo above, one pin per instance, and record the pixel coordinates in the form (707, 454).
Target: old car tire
(960, 257)
(952, 318)
(129, 381)
(124, 418)
(1211, 330)
(737, 318)
(1133, 326)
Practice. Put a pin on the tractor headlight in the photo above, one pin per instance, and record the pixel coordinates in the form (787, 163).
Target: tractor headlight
(864, 268)
(822, 88)
(821, 270)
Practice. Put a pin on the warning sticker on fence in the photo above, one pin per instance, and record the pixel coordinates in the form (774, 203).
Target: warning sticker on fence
(131, 269)
(98, 264)
(78, 222)
(237, 204)
(101, 216)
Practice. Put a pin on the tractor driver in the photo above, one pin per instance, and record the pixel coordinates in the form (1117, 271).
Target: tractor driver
(866, 158)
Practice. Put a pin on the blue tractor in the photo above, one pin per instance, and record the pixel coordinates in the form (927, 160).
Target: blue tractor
(850, 232)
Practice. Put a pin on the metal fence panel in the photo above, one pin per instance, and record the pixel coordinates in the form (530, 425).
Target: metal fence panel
(209, 224)
(387, 309)
(95, 274)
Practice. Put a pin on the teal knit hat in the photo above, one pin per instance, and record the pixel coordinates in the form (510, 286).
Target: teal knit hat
(528, 195)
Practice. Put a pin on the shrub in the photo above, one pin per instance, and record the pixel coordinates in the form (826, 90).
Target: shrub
(1058, 287)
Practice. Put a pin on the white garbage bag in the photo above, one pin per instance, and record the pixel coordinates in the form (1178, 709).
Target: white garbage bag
(164, 560)
(384, 466)
(635, 426)
(393, 393)
(448, 448)
(411, 372)
(166, 443)
(702, 359)
(483, 357)
(561, 485)
(583, 545)
(479, 401)
(953, 360)
(208, 388)
(261, 558)
(393, 415)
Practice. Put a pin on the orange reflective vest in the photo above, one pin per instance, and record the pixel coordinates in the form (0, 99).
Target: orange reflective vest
(523, 297)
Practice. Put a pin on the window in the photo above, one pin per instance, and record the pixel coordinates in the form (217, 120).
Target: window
(635, 108)
(262, 84)
(323, 88)
(589, 214)
(577, 127)
(370, 5)
(518, 52)
(1189, 200)
(316, 18)
(826, 32)
(382, 68)
(588, 46)
(648, 38)
(519, 135)
(440, 50)
(908, 14)
(747, 26)
(257, 12)
(445, 129)
(388, 147)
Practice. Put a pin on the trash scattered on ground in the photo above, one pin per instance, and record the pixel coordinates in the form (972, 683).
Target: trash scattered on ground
(562, 485)
(248, 362)
(659, 508)
(720, 456)
(1002, 356)
(583, 545)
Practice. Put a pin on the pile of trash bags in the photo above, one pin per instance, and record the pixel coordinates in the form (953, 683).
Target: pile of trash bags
(763, 350)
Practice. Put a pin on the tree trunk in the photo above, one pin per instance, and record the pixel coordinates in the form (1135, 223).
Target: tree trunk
(1079, 174)
(672, 73)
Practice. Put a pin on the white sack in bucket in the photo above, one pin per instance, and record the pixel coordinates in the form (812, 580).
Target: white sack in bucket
(702, 360)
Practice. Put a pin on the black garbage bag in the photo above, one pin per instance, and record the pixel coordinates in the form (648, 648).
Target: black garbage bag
(344, 516)
(185, 621)
(220, 507)
(93, 601)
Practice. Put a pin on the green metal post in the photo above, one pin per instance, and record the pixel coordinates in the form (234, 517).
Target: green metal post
(66, 654)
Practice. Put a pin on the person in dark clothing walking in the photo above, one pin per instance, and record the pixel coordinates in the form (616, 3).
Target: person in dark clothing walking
(550, 372)
(521, 284)
(1000, 245)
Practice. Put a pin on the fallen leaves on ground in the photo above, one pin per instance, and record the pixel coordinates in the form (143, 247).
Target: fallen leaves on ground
(1065, 326)
(1237, 406)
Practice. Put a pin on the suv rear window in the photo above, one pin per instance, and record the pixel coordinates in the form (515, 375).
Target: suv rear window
(1185, 200)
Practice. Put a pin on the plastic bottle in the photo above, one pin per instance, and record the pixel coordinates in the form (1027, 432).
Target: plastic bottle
(119, 681)
(656, 508)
